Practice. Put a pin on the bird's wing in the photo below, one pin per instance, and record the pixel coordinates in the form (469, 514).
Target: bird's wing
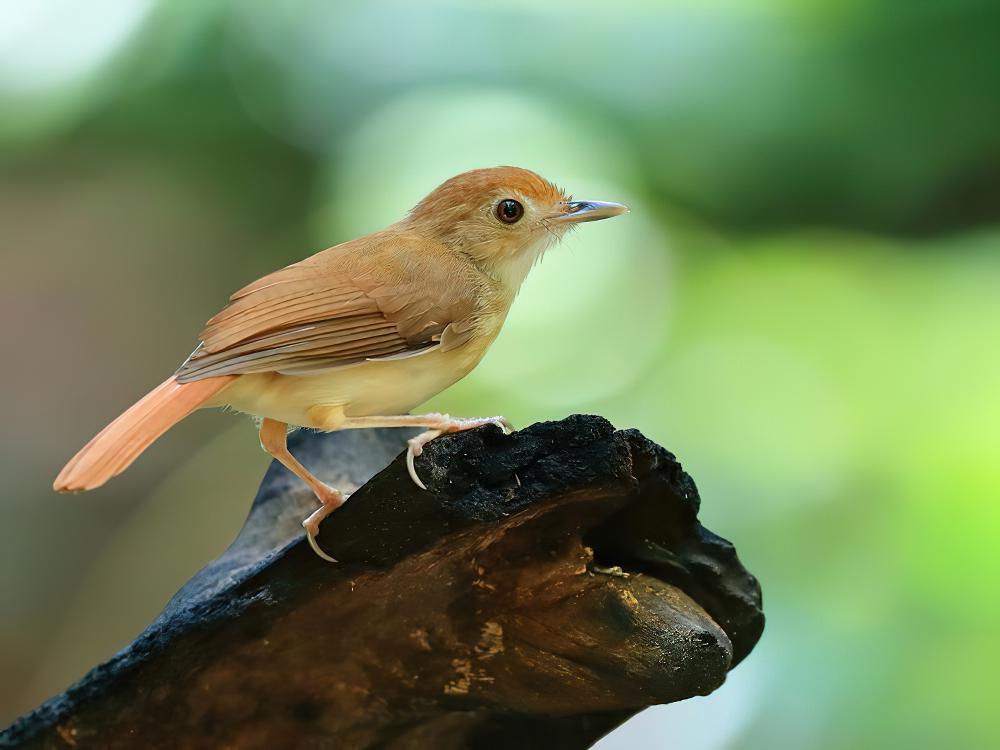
(375, 298)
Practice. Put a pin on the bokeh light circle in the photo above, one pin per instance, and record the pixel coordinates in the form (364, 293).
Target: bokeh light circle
(593, 314)
(55, 57)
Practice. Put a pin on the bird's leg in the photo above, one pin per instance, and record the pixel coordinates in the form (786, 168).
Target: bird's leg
(436, 424)
(274, 434)
(274, 439)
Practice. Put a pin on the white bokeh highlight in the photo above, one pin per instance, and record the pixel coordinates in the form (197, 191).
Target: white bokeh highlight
(585, 325)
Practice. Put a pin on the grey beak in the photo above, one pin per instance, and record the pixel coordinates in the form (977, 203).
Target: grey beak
(579, 211)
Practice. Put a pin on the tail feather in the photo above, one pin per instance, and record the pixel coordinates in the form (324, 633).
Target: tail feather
(115, 447)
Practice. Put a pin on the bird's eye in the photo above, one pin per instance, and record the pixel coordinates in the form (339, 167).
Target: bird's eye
(509, 211)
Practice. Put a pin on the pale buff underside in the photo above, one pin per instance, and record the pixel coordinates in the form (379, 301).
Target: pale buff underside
(322, 401)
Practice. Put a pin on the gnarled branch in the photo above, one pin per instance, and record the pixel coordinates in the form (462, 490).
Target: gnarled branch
(548, 585)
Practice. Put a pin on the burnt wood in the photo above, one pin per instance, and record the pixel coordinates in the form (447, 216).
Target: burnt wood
(546, 586)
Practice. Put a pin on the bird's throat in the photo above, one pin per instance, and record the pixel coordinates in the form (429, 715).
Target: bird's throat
(511, 270)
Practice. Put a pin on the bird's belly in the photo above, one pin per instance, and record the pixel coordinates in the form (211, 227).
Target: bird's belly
(368, 389)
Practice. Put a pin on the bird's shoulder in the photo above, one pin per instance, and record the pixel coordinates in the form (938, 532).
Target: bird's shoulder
(386, 293)
(383, 260)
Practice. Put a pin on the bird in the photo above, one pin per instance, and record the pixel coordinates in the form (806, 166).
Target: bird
(360, 334)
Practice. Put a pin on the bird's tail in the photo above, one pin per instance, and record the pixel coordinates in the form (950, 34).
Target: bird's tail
(115, 447)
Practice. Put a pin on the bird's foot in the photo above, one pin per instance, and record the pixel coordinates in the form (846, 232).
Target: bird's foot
(330, 499)
(447, 424)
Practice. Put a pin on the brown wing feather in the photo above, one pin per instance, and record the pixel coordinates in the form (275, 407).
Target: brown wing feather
(379, 297)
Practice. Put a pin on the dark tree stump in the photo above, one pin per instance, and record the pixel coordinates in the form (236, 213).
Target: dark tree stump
(549, 584)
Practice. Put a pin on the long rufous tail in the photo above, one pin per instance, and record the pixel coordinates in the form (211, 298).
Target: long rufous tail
(115, 447)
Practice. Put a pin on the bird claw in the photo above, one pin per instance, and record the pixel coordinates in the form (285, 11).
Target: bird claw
(415, 445)
(311, 536)
(329, 503)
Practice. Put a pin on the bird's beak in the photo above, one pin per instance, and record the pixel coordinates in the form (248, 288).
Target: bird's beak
(579, 211)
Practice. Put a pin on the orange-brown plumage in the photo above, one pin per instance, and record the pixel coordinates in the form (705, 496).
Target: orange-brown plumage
(115, 447)
(359, 334)
(455, 207)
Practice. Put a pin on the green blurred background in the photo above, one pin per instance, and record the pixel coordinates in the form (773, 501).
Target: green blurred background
(804, 304)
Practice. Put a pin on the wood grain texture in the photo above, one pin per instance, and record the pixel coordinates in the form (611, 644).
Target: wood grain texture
(470, 615)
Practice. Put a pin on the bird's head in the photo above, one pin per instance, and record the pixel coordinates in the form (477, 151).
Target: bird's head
(503, 218)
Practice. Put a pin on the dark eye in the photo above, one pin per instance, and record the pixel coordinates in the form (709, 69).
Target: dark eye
(509, 211)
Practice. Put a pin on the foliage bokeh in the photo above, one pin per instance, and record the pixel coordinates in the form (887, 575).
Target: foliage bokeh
(803, 303)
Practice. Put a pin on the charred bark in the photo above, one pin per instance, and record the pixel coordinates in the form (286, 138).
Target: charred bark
(548, 585)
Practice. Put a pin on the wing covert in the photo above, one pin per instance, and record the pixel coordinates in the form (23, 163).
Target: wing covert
(392, 298)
